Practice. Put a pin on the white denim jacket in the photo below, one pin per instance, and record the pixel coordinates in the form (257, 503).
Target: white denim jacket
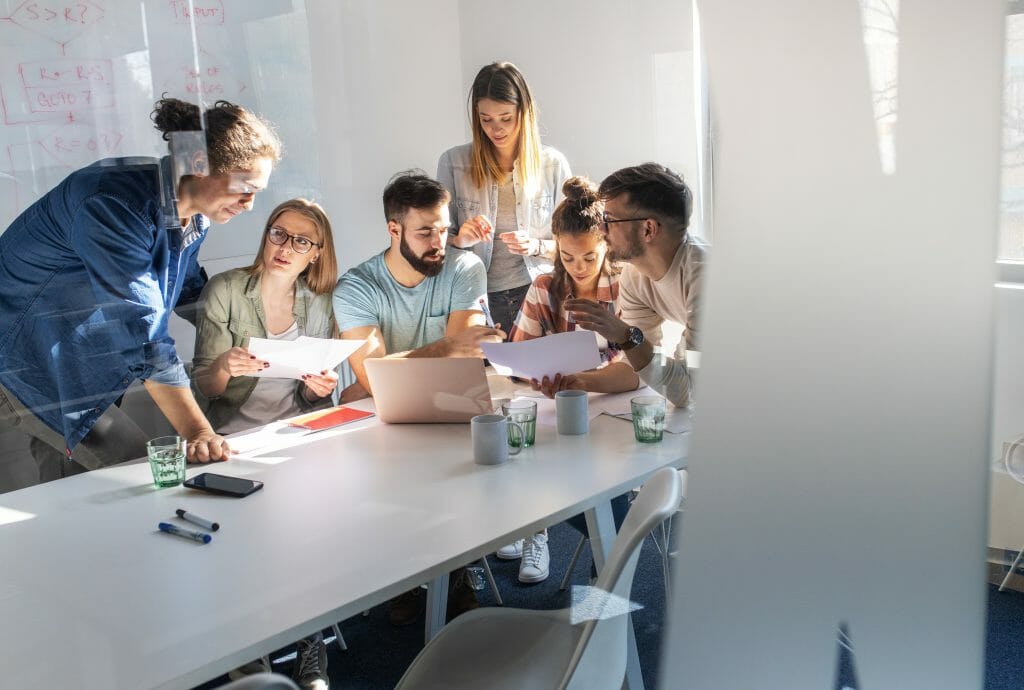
(533, 209)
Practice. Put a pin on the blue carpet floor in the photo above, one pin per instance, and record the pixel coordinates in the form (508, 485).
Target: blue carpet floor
(378, 653)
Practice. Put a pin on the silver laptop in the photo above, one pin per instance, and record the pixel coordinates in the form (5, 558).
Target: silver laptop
(429, 389)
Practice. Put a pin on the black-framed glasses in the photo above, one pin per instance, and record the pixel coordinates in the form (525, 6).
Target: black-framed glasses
(606, 221)
(300, 244)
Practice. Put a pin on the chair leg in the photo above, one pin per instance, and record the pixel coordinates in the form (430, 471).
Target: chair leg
(339, 638)
(490, 581)
(665, 536)
(572, 563)
(1002, 585)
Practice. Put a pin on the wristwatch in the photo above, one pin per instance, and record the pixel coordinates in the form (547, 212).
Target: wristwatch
(634, 337)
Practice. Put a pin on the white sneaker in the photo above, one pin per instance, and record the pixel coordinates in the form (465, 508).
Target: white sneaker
(536, 560)
(511, 551)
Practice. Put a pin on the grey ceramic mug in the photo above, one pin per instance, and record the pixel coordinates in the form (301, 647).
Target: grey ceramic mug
(490, 438)
(572, 412)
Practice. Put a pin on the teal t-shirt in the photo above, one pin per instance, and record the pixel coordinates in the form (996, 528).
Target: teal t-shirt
(408, 318)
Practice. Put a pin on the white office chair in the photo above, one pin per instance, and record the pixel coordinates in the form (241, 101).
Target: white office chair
(583, 647)
(262, 681)
(662, 537)
(1013, 459)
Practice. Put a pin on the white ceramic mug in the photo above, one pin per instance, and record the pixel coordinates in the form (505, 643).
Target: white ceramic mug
(490, 438)
(572, 412)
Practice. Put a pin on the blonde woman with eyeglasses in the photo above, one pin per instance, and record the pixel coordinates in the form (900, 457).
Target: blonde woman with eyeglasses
(284, 294)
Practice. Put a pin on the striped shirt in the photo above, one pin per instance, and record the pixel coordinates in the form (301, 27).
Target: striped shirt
(541, 316)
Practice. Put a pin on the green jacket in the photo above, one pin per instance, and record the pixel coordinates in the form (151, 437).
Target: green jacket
(231, 312)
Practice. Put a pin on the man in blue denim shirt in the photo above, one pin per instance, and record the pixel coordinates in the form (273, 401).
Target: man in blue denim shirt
(88, 277)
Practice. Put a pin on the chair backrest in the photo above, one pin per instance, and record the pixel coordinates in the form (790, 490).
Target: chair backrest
(600, 656)
(262, 681)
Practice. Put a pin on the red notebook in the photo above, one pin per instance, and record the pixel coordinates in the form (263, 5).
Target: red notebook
(325, 419)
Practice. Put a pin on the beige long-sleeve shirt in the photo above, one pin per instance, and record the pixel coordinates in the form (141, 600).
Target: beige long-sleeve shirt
(647, 304)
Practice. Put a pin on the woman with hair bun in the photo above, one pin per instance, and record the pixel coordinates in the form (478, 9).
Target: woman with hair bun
(504, 185)
(90, 272)
(581, 270)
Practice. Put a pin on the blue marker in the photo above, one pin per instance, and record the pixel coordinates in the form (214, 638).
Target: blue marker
(201, 537)
(486, 311)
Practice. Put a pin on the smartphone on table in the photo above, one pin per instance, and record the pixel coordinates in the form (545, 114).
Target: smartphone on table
(223, 485)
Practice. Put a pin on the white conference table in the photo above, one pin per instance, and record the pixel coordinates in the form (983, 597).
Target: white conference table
(92, 595)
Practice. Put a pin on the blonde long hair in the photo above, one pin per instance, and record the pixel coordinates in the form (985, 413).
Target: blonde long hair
(503, 82)
(321, 276)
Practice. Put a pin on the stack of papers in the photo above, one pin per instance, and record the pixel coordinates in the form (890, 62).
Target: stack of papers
(292, 359)
(677, 419)
(560, 353)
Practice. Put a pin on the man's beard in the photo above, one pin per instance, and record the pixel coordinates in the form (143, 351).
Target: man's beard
(419, 264)
(634, 248)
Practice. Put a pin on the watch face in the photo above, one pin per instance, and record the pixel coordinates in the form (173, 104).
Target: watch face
(636, 336)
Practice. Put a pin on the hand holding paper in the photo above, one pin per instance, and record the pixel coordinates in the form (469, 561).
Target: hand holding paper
(291, 359)
(560, 353)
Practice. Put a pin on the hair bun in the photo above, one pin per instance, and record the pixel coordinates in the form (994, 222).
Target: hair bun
(175, 115)
(580, 189)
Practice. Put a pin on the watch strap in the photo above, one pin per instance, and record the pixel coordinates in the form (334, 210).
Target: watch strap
(631, 341)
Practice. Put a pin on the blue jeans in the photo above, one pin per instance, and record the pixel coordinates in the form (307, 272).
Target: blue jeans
(620, 506)
(114, 438)
(505, 305)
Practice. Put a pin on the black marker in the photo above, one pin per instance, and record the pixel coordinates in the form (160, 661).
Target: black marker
(196, 520)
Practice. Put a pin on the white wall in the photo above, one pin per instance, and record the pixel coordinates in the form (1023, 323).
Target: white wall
(388, 86)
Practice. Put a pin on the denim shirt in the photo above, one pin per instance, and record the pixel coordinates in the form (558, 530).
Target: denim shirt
(89, 274)
(533, 208)
(231, 313)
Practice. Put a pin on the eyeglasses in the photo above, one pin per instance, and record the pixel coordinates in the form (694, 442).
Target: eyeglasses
(606, 221)
(300, 244)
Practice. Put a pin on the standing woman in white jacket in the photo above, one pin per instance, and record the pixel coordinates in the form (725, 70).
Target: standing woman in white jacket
(504, 186)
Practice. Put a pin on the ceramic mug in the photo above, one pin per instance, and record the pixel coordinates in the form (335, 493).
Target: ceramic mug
(491, 436)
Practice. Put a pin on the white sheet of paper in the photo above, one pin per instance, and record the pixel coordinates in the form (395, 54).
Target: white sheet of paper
(273, 435)
(618, 403)
(291, 359)
(677, 420)
(560, 353)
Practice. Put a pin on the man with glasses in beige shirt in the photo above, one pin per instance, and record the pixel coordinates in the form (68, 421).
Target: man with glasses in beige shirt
(646, 221)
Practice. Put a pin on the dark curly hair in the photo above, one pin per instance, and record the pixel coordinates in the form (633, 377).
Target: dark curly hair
(235, 137)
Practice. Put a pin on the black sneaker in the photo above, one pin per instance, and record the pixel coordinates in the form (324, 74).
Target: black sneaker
(249, 669)
(461, 597)
(310, 671)
(406, 608)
